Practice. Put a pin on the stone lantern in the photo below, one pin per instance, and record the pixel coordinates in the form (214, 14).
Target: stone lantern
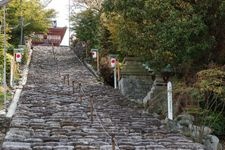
(167, 72)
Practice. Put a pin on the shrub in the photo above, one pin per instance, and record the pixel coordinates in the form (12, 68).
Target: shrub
(216, 121)
(211, 81)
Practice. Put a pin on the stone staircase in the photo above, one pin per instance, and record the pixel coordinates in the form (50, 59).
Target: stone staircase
(53, 116)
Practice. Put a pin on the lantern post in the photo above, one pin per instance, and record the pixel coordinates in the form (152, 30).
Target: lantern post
(95, 55)
(113, 62)
(167, 72)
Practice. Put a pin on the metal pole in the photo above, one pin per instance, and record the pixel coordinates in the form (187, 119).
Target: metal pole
(21, 24)
(4, 72)
(115, 78)
(69, 23)
(12, 72)
(170, 100)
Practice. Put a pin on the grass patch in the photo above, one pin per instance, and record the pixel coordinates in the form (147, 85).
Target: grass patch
(8, 97)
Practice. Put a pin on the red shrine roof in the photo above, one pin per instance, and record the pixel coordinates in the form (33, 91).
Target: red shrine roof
(54, 36)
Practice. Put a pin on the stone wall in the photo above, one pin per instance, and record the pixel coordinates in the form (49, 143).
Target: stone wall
(135, 87)
(135, 80)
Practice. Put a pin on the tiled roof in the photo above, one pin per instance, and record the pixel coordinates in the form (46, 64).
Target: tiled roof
(54, 36)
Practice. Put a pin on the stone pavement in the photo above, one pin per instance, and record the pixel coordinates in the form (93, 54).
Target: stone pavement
(50, 116)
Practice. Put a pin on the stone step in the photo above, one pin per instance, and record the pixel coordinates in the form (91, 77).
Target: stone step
(49, 116)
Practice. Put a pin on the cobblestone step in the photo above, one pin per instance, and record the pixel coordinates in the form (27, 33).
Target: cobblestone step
(51, 117)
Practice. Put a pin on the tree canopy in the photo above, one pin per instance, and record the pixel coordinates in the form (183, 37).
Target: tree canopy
(85, 25)
(163, 31)
(182, 33)
(35, 18)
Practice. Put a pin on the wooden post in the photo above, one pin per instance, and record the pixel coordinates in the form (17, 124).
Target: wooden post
(64, 79)
(113, 142)
(12, 72)
(80, 91)
(98, 62)
(73, 84)
(91, 108)
(81, 96)
(53, 51)
(68, 79)
(86, 48)
(118, 70)
(56, 60)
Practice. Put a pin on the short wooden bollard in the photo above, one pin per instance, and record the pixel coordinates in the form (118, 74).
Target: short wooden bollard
(56, 60)
(80, 88)
(91, 108)
(81, 98)
(73, 84)
(64, 79)
(79, 84)
(68, 79)
(53, 52)
(113, 142)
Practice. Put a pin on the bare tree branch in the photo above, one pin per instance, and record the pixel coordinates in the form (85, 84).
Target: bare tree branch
(92, 4)
(46, 2)
(4, 2)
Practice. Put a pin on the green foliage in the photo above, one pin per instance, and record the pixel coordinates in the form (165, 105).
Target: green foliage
(35, 18)
(212, 13)
(212, 81)
(203, 102)
(105, 41)
(129, 29)
(216, 121)
(86, 26)
(177, 32)
(167, 31)
(8, 97)
(25, 56)
(8, 64)
(213, 119)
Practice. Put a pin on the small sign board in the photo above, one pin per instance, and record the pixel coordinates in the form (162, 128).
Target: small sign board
(94, 53)
(18, 57)
(113, 62)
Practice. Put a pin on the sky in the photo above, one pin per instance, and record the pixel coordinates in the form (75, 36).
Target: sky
(62, 9)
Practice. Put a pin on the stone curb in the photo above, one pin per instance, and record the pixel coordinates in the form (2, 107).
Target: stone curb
(88, 66)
